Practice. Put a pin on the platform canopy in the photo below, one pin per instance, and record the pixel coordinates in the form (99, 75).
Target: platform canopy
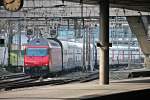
(141, 5)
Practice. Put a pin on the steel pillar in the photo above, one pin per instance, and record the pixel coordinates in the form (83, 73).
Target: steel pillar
(10, 36)
(104, 41)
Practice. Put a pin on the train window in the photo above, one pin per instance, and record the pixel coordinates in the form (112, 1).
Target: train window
(77, 58)
(65, 52)
(37, 51)
(54, 44)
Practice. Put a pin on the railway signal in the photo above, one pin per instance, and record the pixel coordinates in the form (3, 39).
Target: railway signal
(29, 34)
(53, 32)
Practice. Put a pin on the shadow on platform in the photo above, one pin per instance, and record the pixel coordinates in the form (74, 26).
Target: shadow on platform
(117, 96)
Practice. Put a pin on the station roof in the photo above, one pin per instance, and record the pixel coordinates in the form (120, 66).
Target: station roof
(141, 5)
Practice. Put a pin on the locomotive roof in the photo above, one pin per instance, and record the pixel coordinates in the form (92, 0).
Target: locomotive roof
(38, 42)
(43, 42)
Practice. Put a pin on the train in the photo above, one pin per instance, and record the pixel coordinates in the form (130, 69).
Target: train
(125, 55)
(65, 55)
(45, 56)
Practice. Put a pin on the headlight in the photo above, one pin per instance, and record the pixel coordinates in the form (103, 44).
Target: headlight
(26, 64)
(46, 64)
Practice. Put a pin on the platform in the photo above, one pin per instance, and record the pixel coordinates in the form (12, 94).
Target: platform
(76, 90)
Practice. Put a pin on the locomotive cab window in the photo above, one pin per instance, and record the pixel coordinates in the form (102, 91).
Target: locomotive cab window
(37, 51)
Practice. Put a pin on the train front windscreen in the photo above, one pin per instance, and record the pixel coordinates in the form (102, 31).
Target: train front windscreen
(37, 52)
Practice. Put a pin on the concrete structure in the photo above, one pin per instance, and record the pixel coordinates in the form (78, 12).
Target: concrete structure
(104, 42)
(139, 26)
(140, 5)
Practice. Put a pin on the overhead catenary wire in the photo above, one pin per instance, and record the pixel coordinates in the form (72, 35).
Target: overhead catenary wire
(84, 66)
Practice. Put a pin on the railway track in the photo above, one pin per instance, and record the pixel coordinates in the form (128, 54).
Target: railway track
(21, 80)
(10, 76)
(90, 77)
(29, 82)
(13, 79)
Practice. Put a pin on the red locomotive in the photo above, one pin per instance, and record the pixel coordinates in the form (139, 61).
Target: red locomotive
(41, 57)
